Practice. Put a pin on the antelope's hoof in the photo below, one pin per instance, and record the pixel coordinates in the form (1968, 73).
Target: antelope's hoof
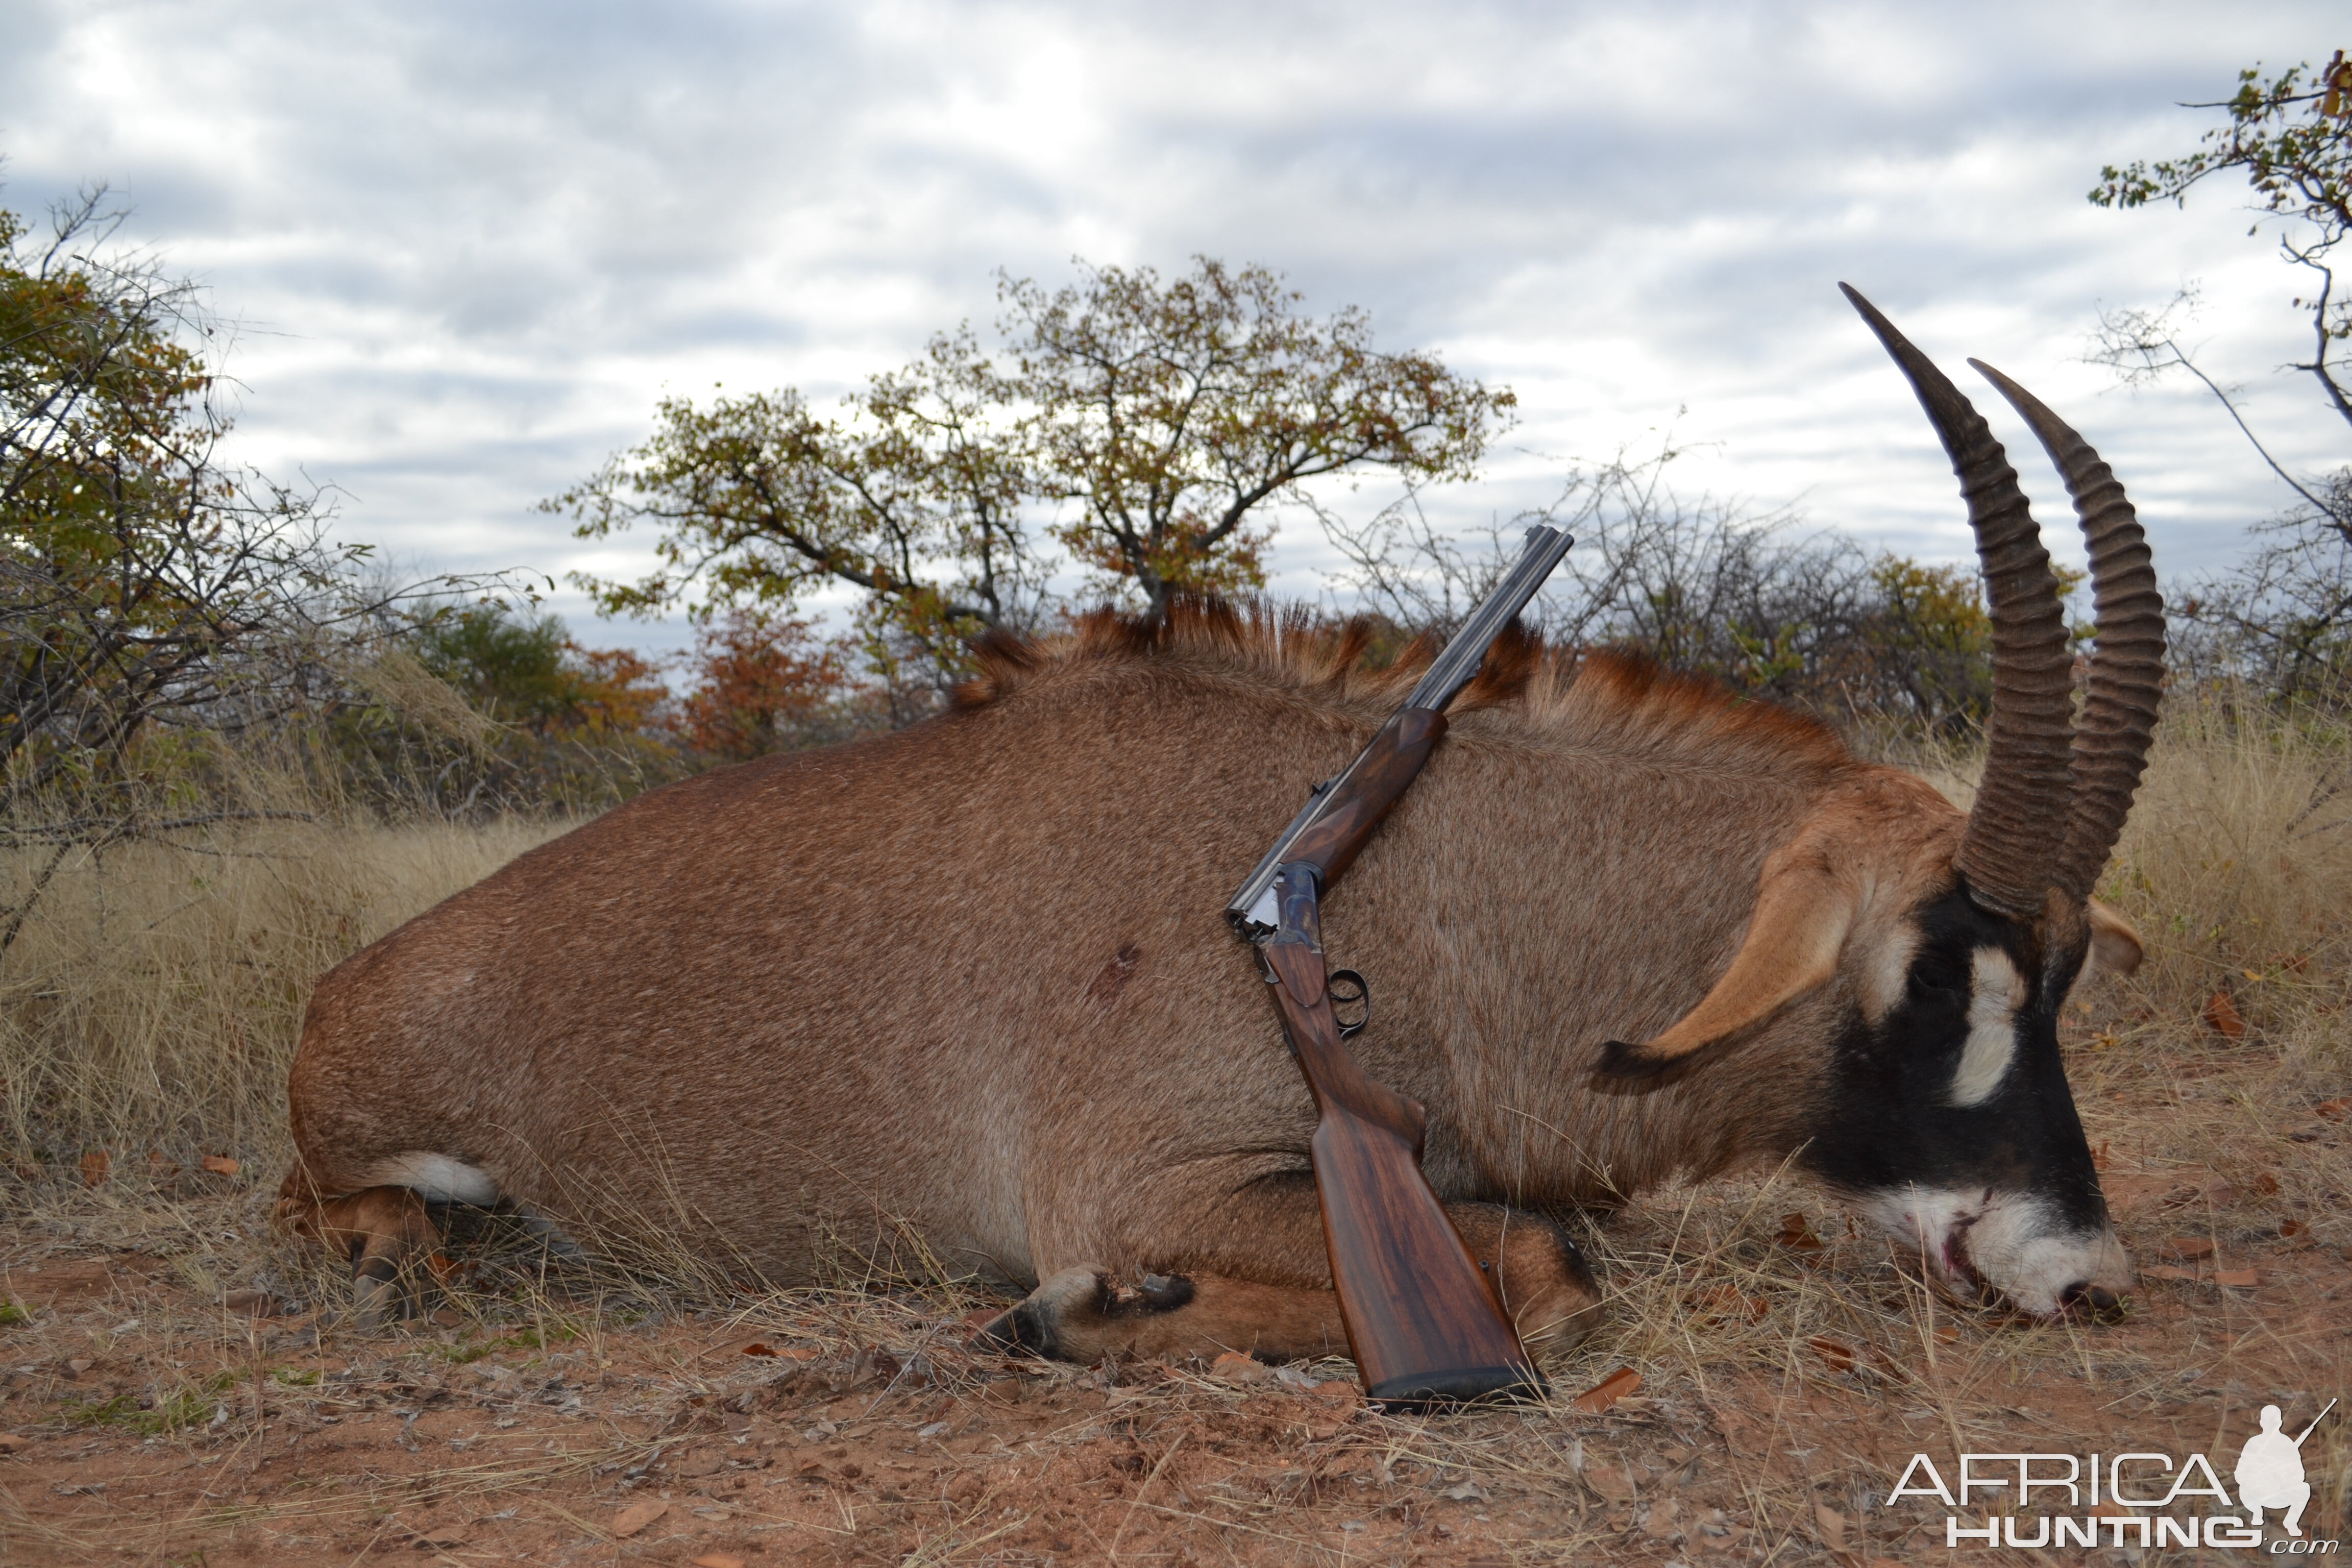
(379, 1301)
(1067, 1316)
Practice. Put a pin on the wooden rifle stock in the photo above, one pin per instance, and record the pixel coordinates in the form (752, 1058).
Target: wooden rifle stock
(1423, 1318)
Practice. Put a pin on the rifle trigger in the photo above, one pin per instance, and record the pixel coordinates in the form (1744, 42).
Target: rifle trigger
(1347, 988)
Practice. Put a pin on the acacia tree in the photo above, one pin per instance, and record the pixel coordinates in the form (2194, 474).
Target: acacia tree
(1170, 415)
(143, 581)
(2285, 616)
(1145, 427)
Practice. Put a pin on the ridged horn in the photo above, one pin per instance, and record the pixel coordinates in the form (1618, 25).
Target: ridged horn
(2020, 822)
(2118, 719)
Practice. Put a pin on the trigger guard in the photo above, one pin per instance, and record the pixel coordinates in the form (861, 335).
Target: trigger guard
(1362, 992)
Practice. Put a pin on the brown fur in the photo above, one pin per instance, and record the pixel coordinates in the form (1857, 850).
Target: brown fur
(973, 978)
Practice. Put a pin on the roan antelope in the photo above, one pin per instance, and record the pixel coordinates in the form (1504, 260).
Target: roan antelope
(971, 979)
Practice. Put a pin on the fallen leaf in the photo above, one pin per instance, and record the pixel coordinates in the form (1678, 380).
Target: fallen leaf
(159, 1168)
(251, 1303)
(13, 1442)
(2238, 1279)
(636, 1516)
(1833, 1526)
(2266, 1183)
(79, 1364)
(2099, 1156)
(446, 1317)
(1725, 1304)
(441, 1535)
(2220, 1015)
(2289, 1228)
(2188, 1246)
(717, 1560)
(1661, 1522)
(1607, 1392)
(2335, 1110)
(219, 1165)
(1840, 1357)
(94, 1166)
(1717, 1532)
(2166, 1271)
(1468, 1491)
(1338, 1392)
(759, 1347)
(1611, 1482)
(1797, 1231)
(1947, 1334)
(1234, 1367)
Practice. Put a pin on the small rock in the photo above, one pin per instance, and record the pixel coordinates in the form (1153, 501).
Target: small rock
(1468, 1491)
(717, 1560)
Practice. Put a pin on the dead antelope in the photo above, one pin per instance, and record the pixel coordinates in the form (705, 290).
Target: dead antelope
(973, 976)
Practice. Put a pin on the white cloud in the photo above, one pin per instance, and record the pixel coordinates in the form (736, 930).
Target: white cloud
(472, 245)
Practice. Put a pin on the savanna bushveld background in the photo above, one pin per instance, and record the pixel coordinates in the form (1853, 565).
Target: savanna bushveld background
(238, 747)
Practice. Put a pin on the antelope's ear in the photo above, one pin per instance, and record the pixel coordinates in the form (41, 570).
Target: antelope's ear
(2114, 945)
(1803, 912)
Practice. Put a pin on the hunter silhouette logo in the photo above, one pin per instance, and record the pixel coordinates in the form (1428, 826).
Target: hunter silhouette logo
(2142, 1498)
(2269, 1471)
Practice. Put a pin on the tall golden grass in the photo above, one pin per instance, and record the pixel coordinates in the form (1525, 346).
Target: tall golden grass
(154, 996)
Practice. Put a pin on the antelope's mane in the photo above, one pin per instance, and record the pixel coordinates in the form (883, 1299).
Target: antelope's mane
(1358, 668)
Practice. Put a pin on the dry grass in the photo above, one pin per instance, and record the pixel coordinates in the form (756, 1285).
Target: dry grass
(153, 998)
(1790, 1369)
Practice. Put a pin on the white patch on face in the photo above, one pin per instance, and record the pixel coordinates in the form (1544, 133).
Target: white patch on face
(1997, 991)
(2011, 1241)
(436, 1178)
(1886, 976)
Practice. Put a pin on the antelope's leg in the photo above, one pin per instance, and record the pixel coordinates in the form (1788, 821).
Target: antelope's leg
(1088, 1312)
(383, 1230)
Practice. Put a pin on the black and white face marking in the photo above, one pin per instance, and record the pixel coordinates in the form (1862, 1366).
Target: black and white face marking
(1949, 1118)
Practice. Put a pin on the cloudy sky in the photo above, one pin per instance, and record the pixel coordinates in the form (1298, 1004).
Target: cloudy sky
(469, 246)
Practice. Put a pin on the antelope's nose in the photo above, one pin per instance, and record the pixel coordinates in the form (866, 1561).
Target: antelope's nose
(2094, 1301)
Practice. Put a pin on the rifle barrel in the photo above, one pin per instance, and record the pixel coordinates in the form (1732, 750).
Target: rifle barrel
(1455, 668)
